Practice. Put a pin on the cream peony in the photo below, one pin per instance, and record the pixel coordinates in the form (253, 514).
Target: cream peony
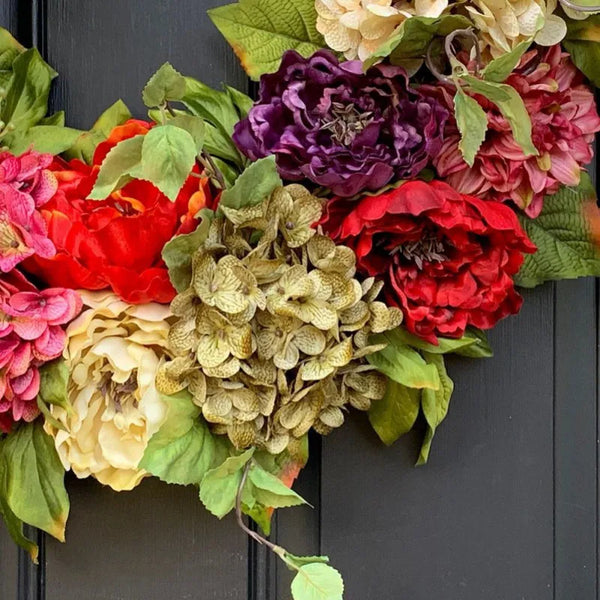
(113, 352)
(358, 27)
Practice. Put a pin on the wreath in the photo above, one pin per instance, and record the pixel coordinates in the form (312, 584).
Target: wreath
(189, 295)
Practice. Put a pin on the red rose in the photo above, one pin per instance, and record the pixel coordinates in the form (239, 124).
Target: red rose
(447, 259)
(115, 243)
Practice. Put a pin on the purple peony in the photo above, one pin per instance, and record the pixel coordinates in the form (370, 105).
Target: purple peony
(339, 127)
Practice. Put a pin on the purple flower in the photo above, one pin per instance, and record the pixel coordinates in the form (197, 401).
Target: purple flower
(339, 127)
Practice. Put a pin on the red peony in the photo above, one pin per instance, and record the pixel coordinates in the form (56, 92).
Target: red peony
(115, 243)
(447, 259)
(31, 334)
(564, 120)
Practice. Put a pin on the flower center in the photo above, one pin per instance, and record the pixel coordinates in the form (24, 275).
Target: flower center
(120, 393)
(427, 249)
(345, 122)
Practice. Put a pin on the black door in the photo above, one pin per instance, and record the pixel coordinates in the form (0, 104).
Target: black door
(506, 509)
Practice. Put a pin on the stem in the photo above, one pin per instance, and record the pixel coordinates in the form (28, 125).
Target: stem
(206, 160)
(240, 517)
(170, 109)
(449, 40)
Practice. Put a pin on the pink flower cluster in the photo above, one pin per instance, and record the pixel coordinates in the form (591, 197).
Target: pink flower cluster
(26, 184)
(564, 120)
(30, 335)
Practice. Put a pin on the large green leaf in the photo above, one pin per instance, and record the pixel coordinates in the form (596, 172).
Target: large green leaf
(317, 581)
(14, 525)
(396, 413)
(511, 105)
(434, 404)
(500, 68)
(53, 139)
(260, 31)
(33, 479)
(165, 85)
(9, 50)
(582, 44)
(412, 38)
(473, 343)
(219, 487)
(472, 123)
(168, 156)
(253, 186)
(264, 488)
(567, 235)
(183, 450)
(403, 364)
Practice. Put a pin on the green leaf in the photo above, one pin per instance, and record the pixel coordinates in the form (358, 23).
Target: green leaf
(401, 363)
(165, 85)
(178, 252)
(33, 479)
(260, 31)
(582, 44)
(299, 561)
(183, 450)
(57, 119)
(27, 98)
(268, 490)
(567, 235)
(230, 174)
(500, 68)
(412, 38)
(116, 114)
(317, 581)
(472, 123)
(218, 489)
(15, 529)
(193, 125)
(115, 168)
(53, 139)
(254, 185)
(168, 156)
(242, 102)
(511, 105)
(54, 378)
(473, 340)
(434, 404)
(395, 414)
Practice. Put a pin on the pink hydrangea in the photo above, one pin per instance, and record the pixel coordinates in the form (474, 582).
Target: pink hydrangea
(31, 334)
(564, 120)
(26, 184)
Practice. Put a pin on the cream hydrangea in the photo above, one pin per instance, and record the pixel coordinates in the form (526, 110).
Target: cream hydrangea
(358, 27)
(503, 24)
(113, 352)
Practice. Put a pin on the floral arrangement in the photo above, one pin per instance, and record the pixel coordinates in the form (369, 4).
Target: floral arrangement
(189, 295)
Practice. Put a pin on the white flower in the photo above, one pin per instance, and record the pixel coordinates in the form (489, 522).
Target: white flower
(113, 352)
(358, 27)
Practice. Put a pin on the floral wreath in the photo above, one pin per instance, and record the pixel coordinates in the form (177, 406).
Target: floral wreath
(188, 296)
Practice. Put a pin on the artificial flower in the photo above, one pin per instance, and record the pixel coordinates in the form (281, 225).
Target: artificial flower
(503, 24)
(339, 127)
(358, 27)
(564, 120)
(26, 184)
(31, 334)
(113, 352)
(447, 258)
(115, 243)
(274, 346)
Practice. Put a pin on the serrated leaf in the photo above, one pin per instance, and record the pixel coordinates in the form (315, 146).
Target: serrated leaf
(472, 123)
(317, 581)
(27, 98)
(401, 363)
(260, 31)
(166, 85)
(500, 68)
(168, 156)
(511, 105)
(15, 528)
(193, 125)
(116, 166)
(567, 235)
(412, 38)
(395, 414)
(178, 252)
(269, 491)
(299, 561)
(218, 489)
(254, 185)
(434, 404)
(183, 450)
(33, 479)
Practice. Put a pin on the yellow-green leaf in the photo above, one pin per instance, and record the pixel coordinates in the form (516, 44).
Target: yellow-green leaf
(472, 124)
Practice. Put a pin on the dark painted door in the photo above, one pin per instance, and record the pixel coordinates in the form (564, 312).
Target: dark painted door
(507, 508)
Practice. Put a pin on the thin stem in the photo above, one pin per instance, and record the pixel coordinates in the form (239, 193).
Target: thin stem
(206, 160)
(431, 66)
(579, 8)
(170, 109)
(468, 32)
(240, 517)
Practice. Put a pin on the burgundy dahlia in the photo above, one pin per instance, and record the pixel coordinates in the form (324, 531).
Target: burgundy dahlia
(339, 127)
